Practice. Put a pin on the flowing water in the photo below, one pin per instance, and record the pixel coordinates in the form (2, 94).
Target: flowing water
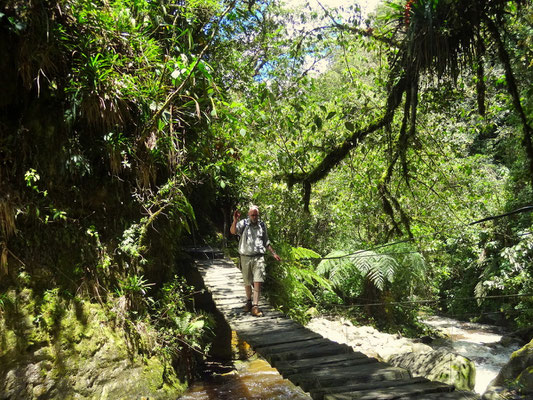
(250, 380)
(477, 342)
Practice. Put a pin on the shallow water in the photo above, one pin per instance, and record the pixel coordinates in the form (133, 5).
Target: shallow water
(478, 342)
(250, 380)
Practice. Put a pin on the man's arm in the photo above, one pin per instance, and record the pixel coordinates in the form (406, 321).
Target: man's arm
(271, 249)
(266, 241)
(233, 227)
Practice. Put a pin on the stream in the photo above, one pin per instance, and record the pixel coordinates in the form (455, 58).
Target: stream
(257, 380)
(248, 380)
(478, 342)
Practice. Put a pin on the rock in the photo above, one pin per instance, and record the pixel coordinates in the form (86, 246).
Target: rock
(439, 365)
(426, 339)
(517, 374)
(89, 360)
(521, 336)
(312, 312)
(500, 393)
(365, 339)
(525, 380)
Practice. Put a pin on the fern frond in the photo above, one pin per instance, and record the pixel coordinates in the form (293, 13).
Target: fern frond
(480, 291)
(341, 266)
(298, 253)
(331, 262)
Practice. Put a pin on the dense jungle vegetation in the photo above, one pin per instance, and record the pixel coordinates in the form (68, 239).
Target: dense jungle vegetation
(391, 156)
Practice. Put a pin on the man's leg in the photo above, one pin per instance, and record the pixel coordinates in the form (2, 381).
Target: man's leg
(247, 277)
(248, 305)
(257, 292)
(258, 277)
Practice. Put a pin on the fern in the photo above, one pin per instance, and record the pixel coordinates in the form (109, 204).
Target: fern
(299, 253)
(341, 266)
(411, 274)
(295, 283)
(301, 272)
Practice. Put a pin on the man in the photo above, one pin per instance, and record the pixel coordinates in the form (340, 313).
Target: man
(253, 244)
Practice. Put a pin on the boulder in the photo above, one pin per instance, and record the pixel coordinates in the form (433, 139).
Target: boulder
(516, 375)
(439, 365)
(521, 336)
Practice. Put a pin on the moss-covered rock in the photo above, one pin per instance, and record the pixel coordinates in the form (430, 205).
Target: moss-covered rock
(516, 375)
(439, 365)
(70, 350)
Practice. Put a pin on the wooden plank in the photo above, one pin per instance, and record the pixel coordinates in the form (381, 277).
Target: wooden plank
(279, 336)
(396, 392)
(329, 370)
(329, 377)
(225, 277)
(455, 395)
(219, 294)
(299, 350)
(306, 353)
(319, 393)
(231, 280)
(204, 251)
(220, 264)
(289, 373)
(232, 301)
(260, 324)
(224, 295)
(315, 343)
(317, 361)
(247, 318)
(225, 280)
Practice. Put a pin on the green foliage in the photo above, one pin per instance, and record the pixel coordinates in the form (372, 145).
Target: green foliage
(294, 286)
(106, 141)
(128, 126)
(345, 269)
(448, 168)
(50, 312)
(135, 289)
(181, 333)
(506, 271)
(7, 301)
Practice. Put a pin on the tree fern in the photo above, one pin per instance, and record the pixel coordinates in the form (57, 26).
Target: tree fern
(341, 266)
(411, 275)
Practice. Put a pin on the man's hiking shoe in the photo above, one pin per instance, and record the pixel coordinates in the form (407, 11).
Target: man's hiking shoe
(248, 306)
(256, 312)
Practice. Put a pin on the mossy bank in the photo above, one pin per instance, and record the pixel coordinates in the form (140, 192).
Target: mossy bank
(51, 348)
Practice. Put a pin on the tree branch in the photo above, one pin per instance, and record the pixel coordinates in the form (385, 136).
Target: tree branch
(513, 91)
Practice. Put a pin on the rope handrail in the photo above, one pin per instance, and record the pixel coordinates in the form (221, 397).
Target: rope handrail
(428, 301)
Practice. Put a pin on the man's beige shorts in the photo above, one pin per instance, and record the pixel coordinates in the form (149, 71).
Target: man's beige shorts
(253, 269)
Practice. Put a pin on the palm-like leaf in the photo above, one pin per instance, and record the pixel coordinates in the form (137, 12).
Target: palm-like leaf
(340, 267)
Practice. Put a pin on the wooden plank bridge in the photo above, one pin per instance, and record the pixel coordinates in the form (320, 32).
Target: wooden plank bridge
(325, 369)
